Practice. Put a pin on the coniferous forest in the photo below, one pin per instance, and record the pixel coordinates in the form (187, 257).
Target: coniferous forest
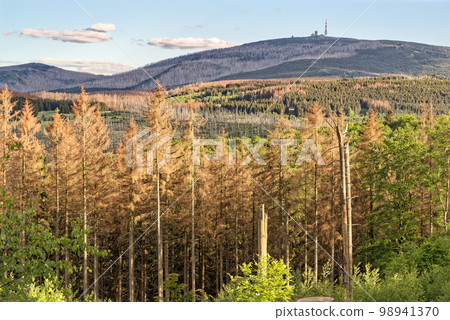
(353, 176)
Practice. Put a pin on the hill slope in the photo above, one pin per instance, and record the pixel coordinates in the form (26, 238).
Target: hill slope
(279, 58)
(40, 77)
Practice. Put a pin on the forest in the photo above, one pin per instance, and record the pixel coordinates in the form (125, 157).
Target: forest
(368, 223)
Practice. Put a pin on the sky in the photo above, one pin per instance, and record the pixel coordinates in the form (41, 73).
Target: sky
(110, 36)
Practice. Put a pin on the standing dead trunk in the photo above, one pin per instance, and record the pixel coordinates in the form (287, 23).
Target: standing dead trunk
(119, 280)
(349, 220)
(193, 233)
(144, 276)
(221, 264)
(316, 240)
(131, 257)
(66, 233)
(96, 283)
(84, 182)
(342, 162)
(166, 265)
(333, 223)
(185, 264)
(306, 220)
(203, 273)
(57, 218)
(160, 245)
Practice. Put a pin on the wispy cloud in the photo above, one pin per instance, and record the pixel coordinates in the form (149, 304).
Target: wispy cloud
(191, 43)
(8, 32)
(94, 34)
(197, 26)
(90, 66)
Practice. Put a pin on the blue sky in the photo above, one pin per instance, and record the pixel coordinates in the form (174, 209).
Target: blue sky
(59, 32)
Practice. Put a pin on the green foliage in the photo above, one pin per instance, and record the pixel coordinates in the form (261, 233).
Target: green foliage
(47, 292)
(350, 112)
(306, 286)
(436, 284)
(398, 286)
(176, 291)
(264, 281)
(390, 116)
(434, 252)
(404, 121)
(26, 247)
(395, 168)
(417, 273)
(174, 288)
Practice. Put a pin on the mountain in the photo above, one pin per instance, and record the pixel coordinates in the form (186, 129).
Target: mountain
(278, 58)
(32, 77)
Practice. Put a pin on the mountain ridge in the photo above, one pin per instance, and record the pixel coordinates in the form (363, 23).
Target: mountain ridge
(274, 58)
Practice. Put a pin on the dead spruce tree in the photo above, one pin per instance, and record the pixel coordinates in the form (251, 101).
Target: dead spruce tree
(92, 138)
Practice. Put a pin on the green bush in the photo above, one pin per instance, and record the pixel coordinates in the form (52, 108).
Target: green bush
(265, 281)
(47, 292)
(306, 286)
(436, 284)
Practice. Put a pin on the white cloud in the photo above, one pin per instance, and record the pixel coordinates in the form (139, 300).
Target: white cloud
(8, 32)
(191, 43)
(104, 27)
(96, 33)
(90, 66)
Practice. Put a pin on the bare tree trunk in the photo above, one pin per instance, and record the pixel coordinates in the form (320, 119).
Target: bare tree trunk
(144, 278)
(84, 178)
(22, 203)
(166, 265)
(66, 233)
(349, 221)
(280, 210)
(185, 264)
(306, 221)
(119, 282)
(221, 264)
(236, 245)
(142, 287)
(193, 234)
(316, 246)
(131, 257)
(217, 267)
(203, 273)
(227, 262)
(254, 225)
(160, 248)
(344, 208)
(57, 218)
(286, 241)
(96, 283)
(262, 235)
(333, 222)
(4, 155)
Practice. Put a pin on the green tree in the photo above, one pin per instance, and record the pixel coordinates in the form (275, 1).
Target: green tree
(395, 174)
(21, 265)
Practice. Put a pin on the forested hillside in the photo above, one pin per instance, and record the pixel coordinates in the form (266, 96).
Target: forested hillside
(269, 59)
(79, 223)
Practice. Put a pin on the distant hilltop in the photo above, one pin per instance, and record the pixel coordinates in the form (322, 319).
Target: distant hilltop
(268, 59)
